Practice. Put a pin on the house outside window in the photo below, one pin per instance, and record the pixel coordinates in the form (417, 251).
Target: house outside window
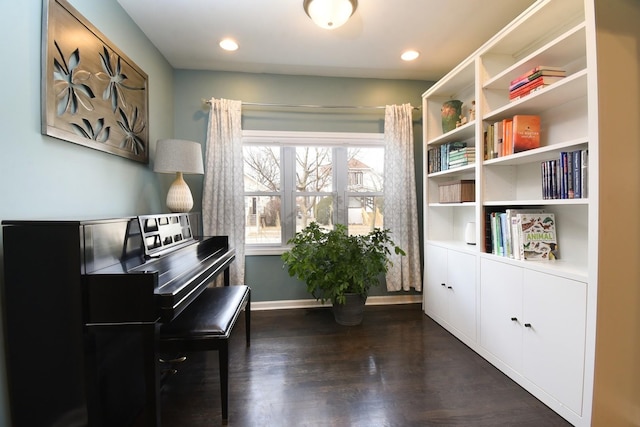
(294, 178)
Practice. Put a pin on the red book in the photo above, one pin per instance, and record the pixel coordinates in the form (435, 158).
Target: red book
(546, 73)
(525, 93)
(535, 70)
(526, 132)
(543, 80)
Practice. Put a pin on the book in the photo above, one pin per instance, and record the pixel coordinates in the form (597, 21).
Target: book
(526, 132)
(558, 74)
(507, 141)
(497, 139)
(537, 236)
(514, 226)
(527, 93)
(526, 88)
(584, 173)
(577, 185)
(535, 70)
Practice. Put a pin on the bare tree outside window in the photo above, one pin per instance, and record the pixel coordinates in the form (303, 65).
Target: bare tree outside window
(314, 174)
(289, 186)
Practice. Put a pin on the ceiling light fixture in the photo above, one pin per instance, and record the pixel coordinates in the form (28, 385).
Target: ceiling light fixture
(330, 14)
(409, 55)
(228, 44)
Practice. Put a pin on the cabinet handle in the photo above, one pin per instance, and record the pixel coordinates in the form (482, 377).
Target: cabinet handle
(449, 287)
(515, 319)
(527, 325)
(442, 284)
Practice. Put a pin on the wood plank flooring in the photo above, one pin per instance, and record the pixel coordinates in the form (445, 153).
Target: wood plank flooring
(398, 368)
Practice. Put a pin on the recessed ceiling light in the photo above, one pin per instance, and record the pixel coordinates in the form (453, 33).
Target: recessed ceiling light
(229, 44)
(409, 55)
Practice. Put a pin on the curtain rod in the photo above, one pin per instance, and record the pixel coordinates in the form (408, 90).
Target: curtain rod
(351, 107)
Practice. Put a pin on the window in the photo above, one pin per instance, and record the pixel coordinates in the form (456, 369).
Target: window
(294, 178)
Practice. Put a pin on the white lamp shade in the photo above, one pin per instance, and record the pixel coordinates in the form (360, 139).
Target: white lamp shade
(330, 14)
(178, 155)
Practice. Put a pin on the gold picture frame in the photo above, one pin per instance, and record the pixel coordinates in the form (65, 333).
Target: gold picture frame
(92, 93)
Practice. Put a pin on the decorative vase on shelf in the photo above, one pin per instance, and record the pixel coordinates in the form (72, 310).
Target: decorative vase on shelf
(451, 113)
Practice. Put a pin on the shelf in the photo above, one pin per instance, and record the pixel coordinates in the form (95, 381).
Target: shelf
(568, 47)
(531, 32)
(455, 245)
(461, 133)
(536, 202)
(452, 205)
(549, 152)
(557, 267)
(457, 80)
(568, 89)
(451, 173)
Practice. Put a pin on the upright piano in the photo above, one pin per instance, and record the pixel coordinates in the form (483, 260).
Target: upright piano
(83, 301)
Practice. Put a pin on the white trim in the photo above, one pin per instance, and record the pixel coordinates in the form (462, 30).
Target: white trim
(311, 303)
(268, 137)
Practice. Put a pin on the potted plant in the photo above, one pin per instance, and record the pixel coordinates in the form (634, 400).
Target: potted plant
(339, 267)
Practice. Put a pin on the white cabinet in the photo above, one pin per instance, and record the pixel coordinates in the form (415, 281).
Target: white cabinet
(501, 312)
(450, 291)
(533, 323)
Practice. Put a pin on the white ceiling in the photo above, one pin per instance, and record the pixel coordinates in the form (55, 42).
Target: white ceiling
(276, 36)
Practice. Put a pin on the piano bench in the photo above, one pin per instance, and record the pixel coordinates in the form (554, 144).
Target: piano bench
(206, 325)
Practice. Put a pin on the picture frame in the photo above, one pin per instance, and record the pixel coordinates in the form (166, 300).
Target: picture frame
(92, 93)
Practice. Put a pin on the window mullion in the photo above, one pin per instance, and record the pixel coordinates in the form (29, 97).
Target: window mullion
(288, 213)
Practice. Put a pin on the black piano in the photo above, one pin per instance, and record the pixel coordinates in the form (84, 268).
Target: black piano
(83, 302)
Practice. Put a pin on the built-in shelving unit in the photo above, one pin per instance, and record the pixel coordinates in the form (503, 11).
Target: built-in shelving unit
(528, 318)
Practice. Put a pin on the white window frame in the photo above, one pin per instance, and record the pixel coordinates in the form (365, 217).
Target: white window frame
(299, 139)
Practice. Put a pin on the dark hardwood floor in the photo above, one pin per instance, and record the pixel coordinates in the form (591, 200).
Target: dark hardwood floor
(398, 368)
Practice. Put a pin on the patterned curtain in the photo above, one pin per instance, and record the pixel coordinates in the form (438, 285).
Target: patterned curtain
(223, 188)
(401, 207)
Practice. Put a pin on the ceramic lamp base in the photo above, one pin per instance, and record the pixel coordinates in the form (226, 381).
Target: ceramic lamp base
(179, 198)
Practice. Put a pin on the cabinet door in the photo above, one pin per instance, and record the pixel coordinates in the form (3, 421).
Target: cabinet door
(501, 311)
(554, 340)
(461, 287)
(435, 297)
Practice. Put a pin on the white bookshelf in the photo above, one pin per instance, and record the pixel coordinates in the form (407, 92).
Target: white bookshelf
(550, 32)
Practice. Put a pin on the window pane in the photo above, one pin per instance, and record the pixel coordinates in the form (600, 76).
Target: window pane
(365, 214)
(262, 219)
(314, 208)
(261, 168)
(313, 169)
(365, 169)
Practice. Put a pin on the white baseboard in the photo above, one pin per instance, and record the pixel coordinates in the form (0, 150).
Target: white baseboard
(309, 303)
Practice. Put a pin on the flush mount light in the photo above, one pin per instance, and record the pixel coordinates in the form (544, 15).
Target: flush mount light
(409, 55)
(229, 44)
(330, 14)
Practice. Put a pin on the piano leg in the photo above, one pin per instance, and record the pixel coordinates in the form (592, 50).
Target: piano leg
(223, 358)
(151, 413)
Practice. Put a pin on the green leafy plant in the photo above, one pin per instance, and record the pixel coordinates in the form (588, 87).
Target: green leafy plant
(333, 263)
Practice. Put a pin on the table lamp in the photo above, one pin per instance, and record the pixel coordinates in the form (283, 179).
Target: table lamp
(178, 156)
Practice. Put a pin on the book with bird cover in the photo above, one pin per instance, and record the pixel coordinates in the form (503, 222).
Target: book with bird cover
(537, 236)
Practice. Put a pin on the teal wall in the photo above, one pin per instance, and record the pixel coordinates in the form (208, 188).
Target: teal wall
(265, 273)
(43, 177)
(46, 178)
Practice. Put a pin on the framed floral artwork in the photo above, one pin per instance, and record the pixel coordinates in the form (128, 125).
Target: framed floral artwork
(92, 93)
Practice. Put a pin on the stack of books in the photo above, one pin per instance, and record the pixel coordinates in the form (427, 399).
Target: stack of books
(534, 80)
(461, 157)
(439, 157)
